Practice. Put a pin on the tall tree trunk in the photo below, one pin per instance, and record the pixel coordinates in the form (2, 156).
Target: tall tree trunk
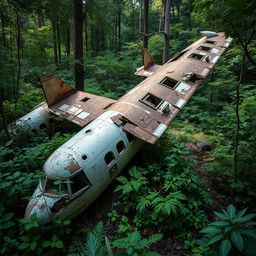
(68, 42)
(58, 40)
(166, 30)
(2, 113)
(145, 29)
(86, 31)
(141, 17)
(178, 11)
(238, 117)
(119, 28)
(40, 19)
(18, 40)
(92, 39)
(79, 65)
(3, 31)
(54, 43)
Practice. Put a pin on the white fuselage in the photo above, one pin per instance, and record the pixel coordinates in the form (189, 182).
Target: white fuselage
(101, 150)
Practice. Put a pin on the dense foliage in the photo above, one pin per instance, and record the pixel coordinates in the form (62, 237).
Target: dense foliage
(172, 189)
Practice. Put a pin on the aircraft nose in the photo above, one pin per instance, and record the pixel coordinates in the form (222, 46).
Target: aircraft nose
(40, 208)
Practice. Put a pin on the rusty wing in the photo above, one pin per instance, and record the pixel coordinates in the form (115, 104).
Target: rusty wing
(73, 105)
(151, 106)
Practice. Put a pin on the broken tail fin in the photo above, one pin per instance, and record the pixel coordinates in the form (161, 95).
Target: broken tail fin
(54, 89)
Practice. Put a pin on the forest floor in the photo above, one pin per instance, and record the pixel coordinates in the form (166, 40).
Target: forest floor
(98, 211)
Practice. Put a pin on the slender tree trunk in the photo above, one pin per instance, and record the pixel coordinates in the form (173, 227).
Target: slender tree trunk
(79, 65)
(68, 42)
(3, 31)
(18, 40)
(58, 40)
(145, 29)
(119, 28)
(86, 31)
(54, 43)
(166, 30)
(178, 12)
(238, 117)
(40, 19)
(92, 39)
(141, 17)
(2, 113)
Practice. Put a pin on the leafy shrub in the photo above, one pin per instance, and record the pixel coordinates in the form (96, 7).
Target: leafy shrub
(232, 233)
(167, 195)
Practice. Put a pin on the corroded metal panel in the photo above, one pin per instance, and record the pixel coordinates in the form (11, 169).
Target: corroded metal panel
(81, 107)
(54, 89)
(152, 105)
(147, 72)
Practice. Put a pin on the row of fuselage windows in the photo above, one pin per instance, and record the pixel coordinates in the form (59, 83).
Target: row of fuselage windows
(120, 147)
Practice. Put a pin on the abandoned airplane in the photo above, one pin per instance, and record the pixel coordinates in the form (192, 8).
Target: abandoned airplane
(113, 131)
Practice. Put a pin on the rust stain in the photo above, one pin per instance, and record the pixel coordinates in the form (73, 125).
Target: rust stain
(143, 118)
(73, 167)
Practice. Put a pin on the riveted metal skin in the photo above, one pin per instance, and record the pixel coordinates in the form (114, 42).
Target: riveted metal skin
(95, 140)
(37, 121)
(93, 154)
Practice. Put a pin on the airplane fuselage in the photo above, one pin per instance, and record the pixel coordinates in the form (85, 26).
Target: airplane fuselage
(92, 158)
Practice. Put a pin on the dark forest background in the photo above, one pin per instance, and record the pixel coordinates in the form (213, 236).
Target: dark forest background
(172, 190)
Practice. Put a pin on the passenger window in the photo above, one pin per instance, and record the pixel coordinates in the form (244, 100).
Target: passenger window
(170, 83)
(120, 147)
(151, 100)
(109, 158)
(79, 182)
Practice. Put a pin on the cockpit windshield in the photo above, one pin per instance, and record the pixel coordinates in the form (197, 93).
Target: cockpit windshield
(54, 188)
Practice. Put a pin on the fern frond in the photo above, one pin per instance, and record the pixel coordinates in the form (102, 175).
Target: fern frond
(154, 238)
(143, 203)
(92, 245)
(99, 231)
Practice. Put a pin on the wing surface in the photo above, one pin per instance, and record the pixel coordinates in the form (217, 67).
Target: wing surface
(150, 107)
(75, 106)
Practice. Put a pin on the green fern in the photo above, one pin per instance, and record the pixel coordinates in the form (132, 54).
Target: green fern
(169, 204)
(94, 244)
(135, 245)
(136, 181)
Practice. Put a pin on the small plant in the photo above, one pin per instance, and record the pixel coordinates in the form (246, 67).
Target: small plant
(136, 246)
(231, 233)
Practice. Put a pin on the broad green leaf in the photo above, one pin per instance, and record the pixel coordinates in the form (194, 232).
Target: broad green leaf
(23, 246)
(241, 213)
(249, 232)
(33, 245)
(231, 211)
(210, 230)
(46, 244)
(221, 216)
(220, 223)
(59, 244)
(225, 247)
(227, 229)
(237, 240)
(244, 218)
(214, 239)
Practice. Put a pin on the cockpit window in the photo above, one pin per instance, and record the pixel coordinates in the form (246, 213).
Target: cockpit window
(79, 182)
(53, 187)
